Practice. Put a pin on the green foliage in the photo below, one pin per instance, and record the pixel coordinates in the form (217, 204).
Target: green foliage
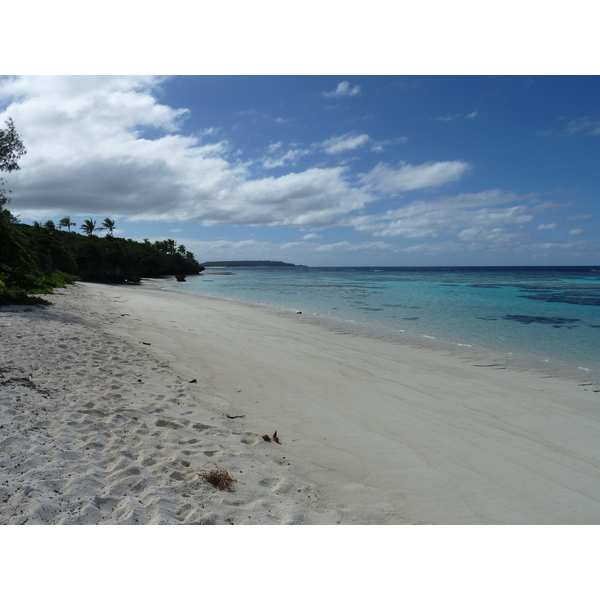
(66, 222)
(16, 287)
(108, 224)
(88, 226)
(19, 296)
(93, 258)
(37, 259)
(11, 150)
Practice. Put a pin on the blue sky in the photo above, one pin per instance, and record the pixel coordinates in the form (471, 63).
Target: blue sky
(319, 170)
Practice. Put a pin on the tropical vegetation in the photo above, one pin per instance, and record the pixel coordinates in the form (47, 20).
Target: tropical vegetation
(35, 259)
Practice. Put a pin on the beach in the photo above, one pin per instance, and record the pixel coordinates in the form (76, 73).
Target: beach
(116, 399)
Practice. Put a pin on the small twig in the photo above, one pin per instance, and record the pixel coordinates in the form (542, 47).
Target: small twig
(234, 416)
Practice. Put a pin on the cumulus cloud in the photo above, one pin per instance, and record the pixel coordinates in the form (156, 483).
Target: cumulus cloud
(406, 177)
(105, 145)
(312, 198)
(544, 226)
(343, 89)
(575, 231)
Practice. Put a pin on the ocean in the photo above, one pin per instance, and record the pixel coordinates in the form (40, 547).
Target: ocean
(540, 318)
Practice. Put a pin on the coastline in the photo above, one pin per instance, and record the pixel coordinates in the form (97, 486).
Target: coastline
(371, 432)
(541, 350)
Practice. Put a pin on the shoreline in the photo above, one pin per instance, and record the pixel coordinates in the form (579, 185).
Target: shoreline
(371, 432)
(502, 357)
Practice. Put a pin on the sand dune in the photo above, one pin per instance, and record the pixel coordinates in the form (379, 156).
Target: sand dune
(100, 422)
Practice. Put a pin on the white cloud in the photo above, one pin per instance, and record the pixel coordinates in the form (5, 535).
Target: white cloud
(406, 177)
(455, 215)
(105, 145)
(343, 89)
(550, 205)
(574, 248)
(250, 249)
(544, 226)
(583, 125)
(435, 249)
(358, 247)
(448, 118)
(101, 146)
(496, 236)
(575, 231)
(344, 143)
(290, 157)
(312, 198)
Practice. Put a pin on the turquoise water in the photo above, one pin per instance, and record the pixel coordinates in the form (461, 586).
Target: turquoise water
(541, 314)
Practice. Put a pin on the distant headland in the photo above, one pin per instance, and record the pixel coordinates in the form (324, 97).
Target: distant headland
(249, 263)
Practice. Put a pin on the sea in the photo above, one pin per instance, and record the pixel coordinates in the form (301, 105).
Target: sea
(545, 319)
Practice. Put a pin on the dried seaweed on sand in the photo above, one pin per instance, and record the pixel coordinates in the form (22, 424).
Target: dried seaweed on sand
(217, 477)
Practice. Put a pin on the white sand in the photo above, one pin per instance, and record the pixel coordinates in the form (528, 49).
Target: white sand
(99, 423)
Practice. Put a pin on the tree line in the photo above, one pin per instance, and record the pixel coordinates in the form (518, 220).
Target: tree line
(88, 227)
(35, 259)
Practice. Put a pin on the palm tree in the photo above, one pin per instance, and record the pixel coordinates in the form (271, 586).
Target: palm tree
(88, 226)
(108, 224)
(50, 225)
(66, 222)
